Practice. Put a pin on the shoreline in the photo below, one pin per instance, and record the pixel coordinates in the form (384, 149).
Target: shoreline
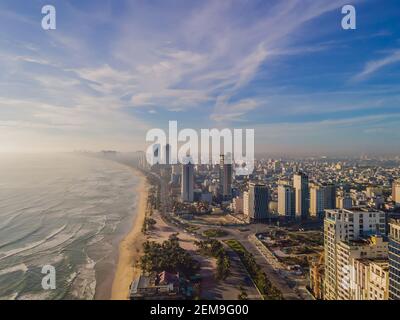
(131, 246)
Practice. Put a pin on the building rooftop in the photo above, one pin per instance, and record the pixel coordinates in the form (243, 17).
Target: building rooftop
(395, 222)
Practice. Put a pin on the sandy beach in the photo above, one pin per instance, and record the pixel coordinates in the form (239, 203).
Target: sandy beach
(130, 247)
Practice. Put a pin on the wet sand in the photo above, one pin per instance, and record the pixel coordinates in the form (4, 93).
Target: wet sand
(130, 247)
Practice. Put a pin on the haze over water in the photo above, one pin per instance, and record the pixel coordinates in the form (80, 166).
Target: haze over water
(65, 210)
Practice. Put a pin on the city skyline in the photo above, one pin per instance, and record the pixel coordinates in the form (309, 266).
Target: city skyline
(111, 71)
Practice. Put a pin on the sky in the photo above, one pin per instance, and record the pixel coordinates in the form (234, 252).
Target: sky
(114, 69)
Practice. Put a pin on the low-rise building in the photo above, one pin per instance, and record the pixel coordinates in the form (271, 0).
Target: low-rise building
(162, 286)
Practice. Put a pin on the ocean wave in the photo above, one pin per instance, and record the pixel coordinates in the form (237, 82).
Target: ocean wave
(31, 246)
(20, 267)
(84, 284)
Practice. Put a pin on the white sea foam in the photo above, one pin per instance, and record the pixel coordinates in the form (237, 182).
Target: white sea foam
(30, 246)
(20, 267)
(89, 197)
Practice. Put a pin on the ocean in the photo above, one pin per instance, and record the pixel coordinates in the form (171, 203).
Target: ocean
(64, 210)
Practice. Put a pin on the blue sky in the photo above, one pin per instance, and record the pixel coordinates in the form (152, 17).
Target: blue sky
(114, 69)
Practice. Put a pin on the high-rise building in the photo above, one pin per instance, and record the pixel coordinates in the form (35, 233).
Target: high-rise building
(396, 192)
(394, 260)
(257, 202)
(329, 196)
(226, 176)
(286, 201)
(246, 204)
(350, 255)
(221, 171)
(167, 154)
(300, 184)
(342, 229)
(317, 200)
(187, 192)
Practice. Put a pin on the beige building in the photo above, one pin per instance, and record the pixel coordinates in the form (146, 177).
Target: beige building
(246, 204)
(396, 192)
(347, 252)
(237, 205)
(286, 200)
(302, 194)
(370, 279)
(317, 200)
(344, 240)
(317, 278)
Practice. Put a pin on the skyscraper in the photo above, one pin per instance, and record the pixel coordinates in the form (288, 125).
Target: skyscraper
(257, 202)
(167, 154)
(317, 200)
(300, 184)
(329, 196)
(187, 182)
(226, 176)
(394, 260)
(286, 201)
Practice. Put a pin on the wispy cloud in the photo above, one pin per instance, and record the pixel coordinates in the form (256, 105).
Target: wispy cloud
(375, 65)
(109, 74)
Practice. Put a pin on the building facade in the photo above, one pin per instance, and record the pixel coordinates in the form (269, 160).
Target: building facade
(394, 260)
(369, 279)
(300, 184)
(317, 201)
(348, 253)
(396, 192)
(341, 228)
(344, 202)
(329, 196)
(246, 204)
(226, 176)
(286, 201)
(257, 202)
(187, 192)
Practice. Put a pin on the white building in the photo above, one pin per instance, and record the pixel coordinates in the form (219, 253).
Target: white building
(341, 227)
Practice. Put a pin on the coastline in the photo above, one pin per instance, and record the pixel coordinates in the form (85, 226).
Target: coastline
(131, 246)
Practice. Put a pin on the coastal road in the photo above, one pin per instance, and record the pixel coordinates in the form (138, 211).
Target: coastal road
(227, 289)
(268, 267)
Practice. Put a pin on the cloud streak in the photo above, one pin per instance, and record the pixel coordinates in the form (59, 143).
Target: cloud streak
(374, 66)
